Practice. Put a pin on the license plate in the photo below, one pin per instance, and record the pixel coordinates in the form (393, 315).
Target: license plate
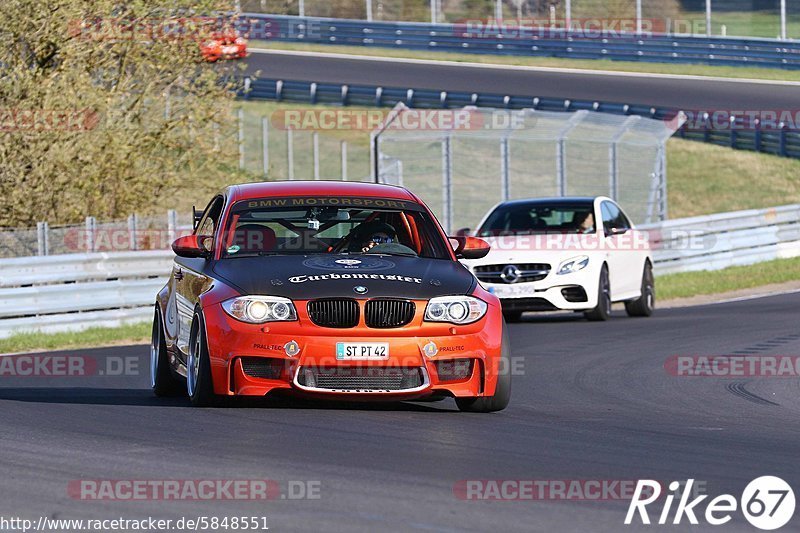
(509, 290)
(362, 350)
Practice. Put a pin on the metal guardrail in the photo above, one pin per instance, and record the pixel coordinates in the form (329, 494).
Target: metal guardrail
(784, 142)
(723, 240)
(73, 292)
(508, 40)
(78, 291)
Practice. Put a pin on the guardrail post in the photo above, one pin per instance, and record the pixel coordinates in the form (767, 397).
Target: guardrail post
(734, 133)
(265, 145)
(315, 153)
(132, 223)
(313, 93)
(42, 238)
(783, 140)
(290, 152)
(447, 182)
(91, 230)
(345, 91)
(369, 10)
(505, 170)
(378, 96)
(757, 136)
(241, 138)
(344, 160)
(278, 90)
(247, 84)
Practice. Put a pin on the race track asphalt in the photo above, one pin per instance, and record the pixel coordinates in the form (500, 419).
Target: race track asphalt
(592, 401)
(678, 93)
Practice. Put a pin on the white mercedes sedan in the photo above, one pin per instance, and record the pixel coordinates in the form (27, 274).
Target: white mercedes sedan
(576, 254)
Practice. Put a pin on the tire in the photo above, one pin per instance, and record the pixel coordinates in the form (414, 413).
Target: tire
(602, 312)
(199, 385)
(512, 316)
(646, 303)
(162, 380)
(502, 394)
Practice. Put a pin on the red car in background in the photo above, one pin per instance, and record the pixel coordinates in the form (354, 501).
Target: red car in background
(224, 45)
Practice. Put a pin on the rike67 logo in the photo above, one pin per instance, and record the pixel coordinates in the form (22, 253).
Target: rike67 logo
(767, 503)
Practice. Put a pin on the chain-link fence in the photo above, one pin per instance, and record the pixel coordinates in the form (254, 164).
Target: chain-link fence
(491, 156)
(742, 18)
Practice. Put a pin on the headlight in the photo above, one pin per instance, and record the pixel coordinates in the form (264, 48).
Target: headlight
(260, 309)
(573, 265)
(455, 309)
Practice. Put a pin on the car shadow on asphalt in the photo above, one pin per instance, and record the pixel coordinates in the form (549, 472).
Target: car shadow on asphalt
(144, 398)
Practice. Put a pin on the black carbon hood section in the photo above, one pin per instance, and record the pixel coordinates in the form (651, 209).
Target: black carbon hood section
(352, 276)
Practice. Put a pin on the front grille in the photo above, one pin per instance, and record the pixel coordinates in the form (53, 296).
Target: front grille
(361, 378)
(334, 312)
(263, 367)
(524, 272)
(388, 313)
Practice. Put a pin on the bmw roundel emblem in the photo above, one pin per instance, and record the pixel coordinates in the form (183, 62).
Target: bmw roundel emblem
(348, 262)
(360, 289)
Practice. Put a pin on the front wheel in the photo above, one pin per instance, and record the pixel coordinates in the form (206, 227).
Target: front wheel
(645, 304)
(199, 384)
(162, 381)
(602, 312)
(502, 393)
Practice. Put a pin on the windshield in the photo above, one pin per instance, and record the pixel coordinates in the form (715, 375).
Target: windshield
(331, 225)
(525, 219)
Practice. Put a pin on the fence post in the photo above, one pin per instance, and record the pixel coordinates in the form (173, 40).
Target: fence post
(783, 20)
(315, 153)
(561, 150)
(447, 183)
(172, 225)
(290, 152)
(265, 144)
(344, 160)
(42, 238)
(241, 138)
(91, 229)
(132, 223)
(638, 17)
(505, 171)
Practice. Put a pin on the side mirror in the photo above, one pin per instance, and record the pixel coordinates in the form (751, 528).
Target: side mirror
(192, 246)
(463, 232)
(470, 247)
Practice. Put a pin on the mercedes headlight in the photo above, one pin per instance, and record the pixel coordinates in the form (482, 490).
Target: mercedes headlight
(455, 309)
(260, 309)
(573, 265)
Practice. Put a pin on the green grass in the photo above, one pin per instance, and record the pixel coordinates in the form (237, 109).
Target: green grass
(590, 64)
(703, 179)
(26, 342)
(688, 284)
(747, 23)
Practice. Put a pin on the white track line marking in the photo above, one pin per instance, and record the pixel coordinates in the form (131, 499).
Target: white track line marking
(523, 68)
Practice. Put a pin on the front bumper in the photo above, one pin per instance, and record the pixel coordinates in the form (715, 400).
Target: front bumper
(549, 293)
(236, 349)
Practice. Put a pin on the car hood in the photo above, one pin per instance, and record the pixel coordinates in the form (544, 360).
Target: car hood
(353, 276)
